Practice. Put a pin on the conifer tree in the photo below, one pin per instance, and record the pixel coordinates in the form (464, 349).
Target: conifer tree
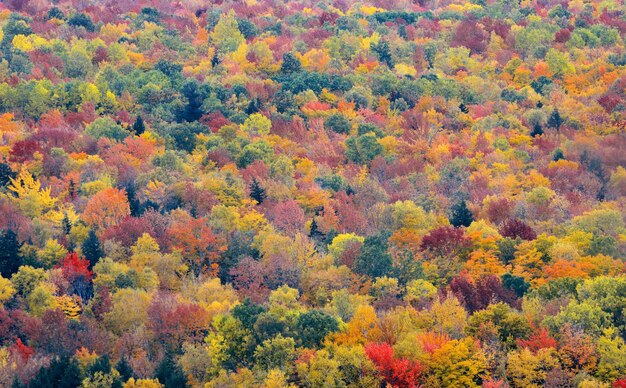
(92, 249)
(138, 126)
(461, 215)
(257, 192)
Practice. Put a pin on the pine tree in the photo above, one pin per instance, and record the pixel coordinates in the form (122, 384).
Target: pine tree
(138, 126)
(315, 232)
(555, 121)
(170, 374)
(558, 155)
(10, 259)
(124, 369)
(72, 189)
(66, 224)
(257, 192)
(5, 174)
(537, 130)
(461, 215)
(92, 249)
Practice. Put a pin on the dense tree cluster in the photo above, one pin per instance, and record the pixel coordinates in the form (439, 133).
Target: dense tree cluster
(330, 193)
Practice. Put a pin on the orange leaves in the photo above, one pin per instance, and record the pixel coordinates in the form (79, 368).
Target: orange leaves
(107, 208)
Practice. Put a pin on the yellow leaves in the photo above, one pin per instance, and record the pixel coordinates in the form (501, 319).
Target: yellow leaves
(403, 70)
(343, 241)
(464, 8)
(30, 42)
(112, 32)
(367, 42)
(482, 235)
(370, 9)
(7, 290)
(142, 383)
(482, 263)
(362, 328)
(69, 306)
(314, 60)
(30, 197)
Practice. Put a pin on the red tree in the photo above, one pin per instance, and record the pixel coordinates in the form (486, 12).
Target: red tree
(398, 372)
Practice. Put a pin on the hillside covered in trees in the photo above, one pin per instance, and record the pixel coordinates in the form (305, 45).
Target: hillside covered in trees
(331, 193)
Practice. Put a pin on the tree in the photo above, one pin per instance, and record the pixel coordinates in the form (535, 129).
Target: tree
(291, 64)
(461, 215)
(138, 126)
(555, 121)
(170, 374)
(275, 353)
(107, 208)
(106, 127)
(92, 249)
(313, 326)
(5, 174)
(63, 372)
(383, 51)
(337, 123)
(226, 35)
(81, 20)
(516, 228)
(537, 130)
(373, 260)
(10, 258)
(395, 372)
(363, 149)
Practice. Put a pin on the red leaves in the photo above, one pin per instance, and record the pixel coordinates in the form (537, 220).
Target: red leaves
(445, 241)
(74, 267)
(398, 372)
(517, 228)
(540, 339)
(25, 352)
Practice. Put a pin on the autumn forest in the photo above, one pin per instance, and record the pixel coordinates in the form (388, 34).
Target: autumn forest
(332, 193)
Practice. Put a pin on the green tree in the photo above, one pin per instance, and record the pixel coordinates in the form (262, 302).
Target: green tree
(257, 192)
(461, 215)
(337, 123)
(363, 149)
(291, 64)
(373, 259)
(226, 35)
(313, 326)
(276, 353)
(10, 258)
(106, 127)
(92, 248)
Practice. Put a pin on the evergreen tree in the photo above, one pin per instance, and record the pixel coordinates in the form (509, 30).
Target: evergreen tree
(92, 249)
(170, 374)
(461, 215)
(10, 259)
(135, 206)
(257, 192)
(62, 373)
(124, 369)
(5, 174)
(138, 126)
(558, 155)
(555, 121)
(66, 224)
(72, 189)
(291, 64)
(315, 233)
(537, 130)
(383, 51)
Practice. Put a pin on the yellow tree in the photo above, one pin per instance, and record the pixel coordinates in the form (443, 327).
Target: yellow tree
(29, 196)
